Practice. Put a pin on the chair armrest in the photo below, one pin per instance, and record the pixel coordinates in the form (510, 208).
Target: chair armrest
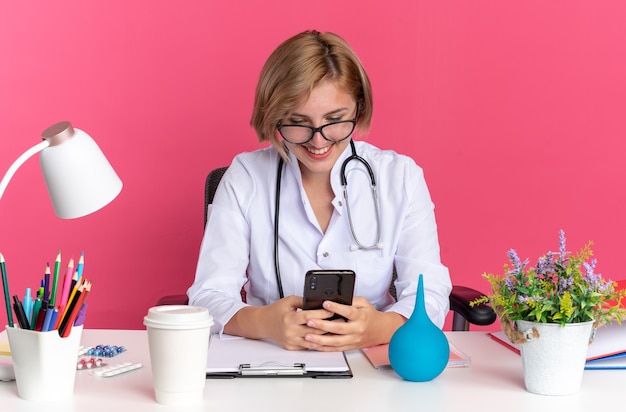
(173, 300)
(460, 299)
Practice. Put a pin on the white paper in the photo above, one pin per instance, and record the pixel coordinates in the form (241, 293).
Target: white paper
(227, 353)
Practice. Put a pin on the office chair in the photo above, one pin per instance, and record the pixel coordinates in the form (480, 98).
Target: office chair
(460, 297)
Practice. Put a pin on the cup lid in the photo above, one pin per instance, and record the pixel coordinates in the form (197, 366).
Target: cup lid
(178, 317)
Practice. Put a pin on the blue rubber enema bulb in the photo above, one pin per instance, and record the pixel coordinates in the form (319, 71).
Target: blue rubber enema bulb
(419, 350)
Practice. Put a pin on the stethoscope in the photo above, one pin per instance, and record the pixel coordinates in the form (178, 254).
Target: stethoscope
(344, 184)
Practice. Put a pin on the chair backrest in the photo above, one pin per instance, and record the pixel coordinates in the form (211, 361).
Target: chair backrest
(210, 186)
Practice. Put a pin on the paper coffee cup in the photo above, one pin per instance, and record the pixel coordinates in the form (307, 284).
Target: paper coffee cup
(178, 337)
(44, 363)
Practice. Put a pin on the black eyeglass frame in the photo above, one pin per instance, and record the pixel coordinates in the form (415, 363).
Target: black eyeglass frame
(318, 129)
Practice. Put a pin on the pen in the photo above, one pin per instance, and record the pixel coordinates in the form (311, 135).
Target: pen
(19, 312)
(28, 304)
(35, 313)
(55, 279)
(53, 319)
(59, 318)
(41, 315)
(47, 319)
(5, 286)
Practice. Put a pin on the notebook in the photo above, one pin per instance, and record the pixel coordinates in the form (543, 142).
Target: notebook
(379, 357)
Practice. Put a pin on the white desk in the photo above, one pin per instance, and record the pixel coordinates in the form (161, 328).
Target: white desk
(492, 383)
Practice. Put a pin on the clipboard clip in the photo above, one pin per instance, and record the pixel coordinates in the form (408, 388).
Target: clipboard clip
(272, 368)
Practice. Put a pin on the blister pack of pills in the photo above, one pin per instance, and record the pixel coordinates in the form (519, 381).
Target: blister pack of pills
(114, 370)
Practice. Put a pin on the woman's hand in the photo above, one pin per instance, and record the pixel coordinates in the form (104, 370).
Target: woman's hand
(365, 326)
(280, 321)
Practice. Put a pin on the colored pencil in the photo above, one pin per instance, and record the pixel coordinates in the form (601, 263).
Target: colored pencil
(5, 287)
(46, 283)
(67, 308)
(55, 279)
(67, 281)
(67, 311)
(64, 330)
(73, 286)
(80, 266)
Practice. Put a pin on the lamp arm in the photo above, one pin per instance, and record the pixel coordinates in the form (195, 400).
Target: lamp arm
(19, 162)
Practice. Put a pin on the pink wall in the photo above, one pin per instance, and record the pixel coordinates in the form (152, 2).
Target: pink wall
(514, 109)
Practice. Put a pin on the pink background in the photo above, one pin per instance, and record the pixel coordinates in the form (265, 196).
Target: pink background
(514, 109)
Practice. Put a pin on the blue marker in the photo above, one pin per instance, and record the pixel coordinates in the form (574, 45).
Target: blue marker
(53, 319)
(28, 304)
(47, 319)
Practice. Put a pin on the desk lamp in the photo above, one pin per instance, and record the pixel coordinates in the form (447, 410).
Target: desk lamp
(79, 178)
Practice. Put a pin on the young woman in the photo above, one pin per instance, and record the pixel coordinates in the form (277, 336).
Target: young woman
(281, 211)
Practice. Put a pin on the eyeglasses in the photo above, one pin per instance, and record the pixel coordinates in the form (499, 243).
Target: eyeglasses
(333, 132)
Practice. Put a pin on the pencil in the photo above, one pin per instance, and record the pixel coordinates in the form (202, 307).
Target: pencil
(80, 266)
(70, 307)
(67, 309)
(5, 287)
(67, 281)
(46, 283)
(55, 279)
(64, 330)
(73, 286)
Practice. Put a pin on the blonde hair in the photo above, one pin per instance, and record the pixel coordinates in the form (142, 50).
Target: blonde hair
(295, 68)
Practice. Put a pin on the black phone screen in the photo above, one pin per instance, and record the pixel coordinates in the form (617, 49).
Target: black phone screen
(321, 285)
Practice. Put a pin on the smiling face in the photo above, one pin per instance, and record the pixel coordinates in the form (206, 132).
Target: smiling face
(298, 65)
(327, 103)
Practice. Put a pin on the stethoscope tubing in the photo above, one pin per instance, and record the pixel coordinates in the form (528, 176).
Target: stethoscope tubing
(344, 184)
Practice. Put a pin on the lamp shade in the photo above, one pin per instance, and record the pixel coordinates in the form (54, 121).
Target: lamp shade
(79, 177)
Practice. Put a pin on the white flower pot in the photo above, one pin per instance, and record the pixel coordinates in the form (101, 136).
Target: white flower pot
(554, 362)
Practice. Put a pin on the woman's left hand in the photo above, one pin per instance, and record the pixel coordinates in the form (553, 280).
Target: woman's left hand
(364, 326)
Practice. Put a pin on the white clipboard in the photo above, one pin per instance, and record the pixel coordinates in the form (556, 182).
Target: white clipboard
(233, 356)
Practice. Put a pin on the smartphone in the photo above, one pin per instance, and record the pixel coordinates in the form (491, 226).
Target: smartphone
(321, 285)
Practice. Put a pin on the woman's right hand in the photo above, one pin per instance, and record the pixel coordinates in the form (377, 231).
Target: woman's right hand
(280, 321)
